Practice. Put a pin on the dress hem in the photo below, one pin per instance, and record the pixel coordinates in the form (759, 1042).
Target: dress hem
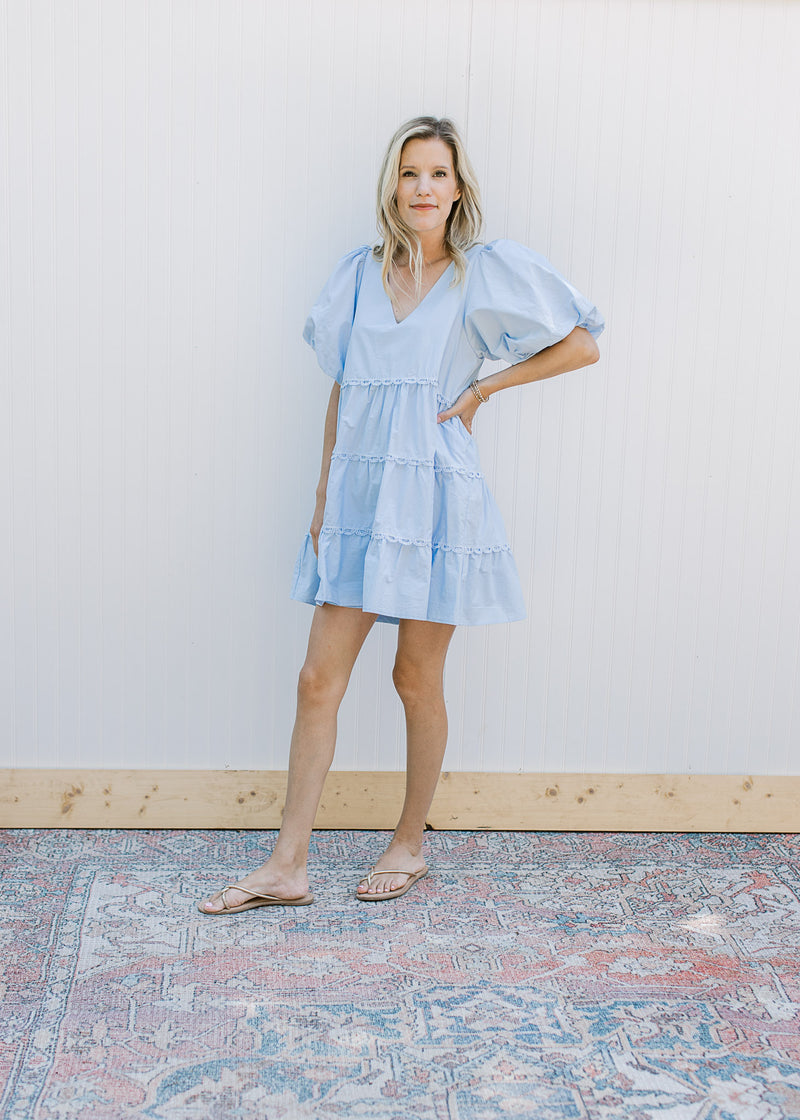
(395, 619)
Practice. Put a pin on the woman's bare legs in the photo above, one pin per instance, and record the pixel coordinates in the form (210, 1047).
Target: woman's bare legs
(336, 637)
(418, 677)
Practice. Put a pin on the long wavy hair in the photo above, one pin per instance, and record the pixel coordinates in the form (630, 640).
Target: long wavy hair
(464, 221)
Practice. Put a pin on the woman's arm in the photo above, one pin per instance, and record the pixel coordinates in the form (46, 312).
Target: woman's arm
(328, 440)
(575, 351)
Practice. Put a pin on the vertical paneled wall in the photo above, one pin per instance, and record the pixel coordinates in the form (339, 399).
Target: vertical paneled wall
(176, 180)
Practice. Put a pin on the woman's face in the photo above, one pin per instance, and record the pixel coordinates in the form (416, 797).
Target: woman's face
(427, 187)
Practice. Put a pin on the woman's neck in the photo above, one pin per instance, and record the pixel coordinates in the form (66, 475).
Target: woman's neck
(433, 247)
(432, 254)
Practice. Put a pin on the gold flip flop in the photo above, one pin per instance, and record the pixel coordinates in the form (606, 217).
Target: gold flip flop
(257, 900)
(413, 876)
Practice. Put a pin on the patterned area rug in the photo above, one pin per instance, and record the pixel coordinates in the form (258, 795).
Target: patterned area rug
(616, 977)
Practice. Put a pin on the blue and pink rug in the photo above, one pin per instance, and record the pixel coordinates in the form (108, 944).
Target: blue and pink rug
(549, 975)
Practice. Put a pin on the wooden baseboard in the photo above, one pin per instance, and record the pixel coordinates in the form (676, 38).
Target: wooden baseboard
(354, 799)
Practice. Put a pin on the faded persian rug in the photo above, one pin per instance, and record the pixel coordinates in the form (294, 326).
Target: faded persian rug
(542, 975)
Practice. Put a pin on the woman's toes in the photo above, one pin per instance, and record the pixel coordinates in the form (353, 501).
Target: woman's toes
(380, 884)
(216, 903)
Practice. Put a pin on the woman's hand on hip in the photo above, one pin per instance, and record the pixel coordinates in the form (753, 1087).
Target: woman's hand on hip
(464, 407)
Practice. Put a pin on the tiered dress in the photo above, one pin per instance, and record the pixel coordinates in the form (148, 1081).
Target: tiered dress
(410, 529)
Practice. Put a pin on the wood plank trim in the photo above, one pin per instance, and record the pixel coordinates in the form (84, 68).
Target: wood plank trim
(34, 798)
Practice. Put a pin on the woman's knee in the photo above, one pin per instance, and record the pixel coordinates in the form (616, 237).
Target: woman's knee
(415, 682)
(317, 686)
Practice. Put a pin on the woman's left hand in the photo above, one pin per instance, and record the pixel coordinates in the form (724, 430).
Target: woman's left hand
(464, 407)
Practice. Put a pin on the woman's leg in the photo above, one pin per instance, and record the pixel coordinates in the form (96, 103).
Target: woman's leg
(418, 677)
(337, 635)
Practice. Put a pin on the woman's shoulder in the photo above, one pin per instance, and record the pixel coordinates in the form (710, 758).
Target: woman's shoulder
(353, 258)
(330, 320)
(358, 252)
(344, 276)
(515, 292)
(496, 266)
(505, 264)
(504, 253)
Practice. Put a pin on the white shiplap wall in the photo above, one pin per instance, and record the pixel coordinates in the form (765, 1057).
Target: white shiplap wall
(176, 180)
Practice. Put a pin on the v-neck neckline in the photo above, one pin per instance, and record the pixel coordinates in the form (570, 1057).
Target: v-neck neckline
(416, 307)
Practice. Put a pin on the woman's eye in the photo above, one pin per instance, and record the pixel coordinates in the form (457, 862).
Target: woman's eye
(408, 174)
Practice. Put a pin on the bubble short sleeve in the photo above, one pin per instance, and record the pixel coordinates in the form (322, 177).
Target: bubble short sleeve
(330, 321)
(517, 304)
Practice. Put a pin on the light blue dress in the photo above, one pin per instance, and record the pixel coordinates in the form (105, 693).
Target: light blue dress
(410, 528)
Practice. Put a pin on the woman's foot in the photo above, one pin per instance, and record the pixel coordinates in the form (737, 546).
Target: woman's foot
(399, 857)
(265, 880)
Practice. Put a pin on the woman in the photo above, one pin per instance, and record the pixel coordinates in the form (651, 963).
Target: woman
(404, 528)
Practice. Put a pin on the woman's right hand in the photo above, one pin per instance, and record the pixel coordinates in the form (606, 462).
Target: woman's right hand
(331, 417)
(316, 524)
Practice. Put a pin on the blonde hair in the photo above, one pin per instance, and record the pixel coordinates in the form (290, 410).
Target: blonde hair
(464, 221)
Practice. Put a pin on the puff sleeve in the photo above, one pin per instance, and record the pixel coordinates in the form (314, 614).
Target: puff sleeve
(330, 321)
(517, 304)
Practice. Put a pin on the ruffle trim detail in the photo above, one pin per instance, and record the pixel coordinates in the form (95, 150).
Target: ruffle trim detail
(457, 470)
(352, 457)
(402, 459)
(390, 381)
(463, 549)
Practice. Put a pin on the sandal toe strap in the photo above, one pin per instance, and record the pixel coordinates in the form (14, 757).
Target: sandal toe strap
(246, 890)
(372, 873)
